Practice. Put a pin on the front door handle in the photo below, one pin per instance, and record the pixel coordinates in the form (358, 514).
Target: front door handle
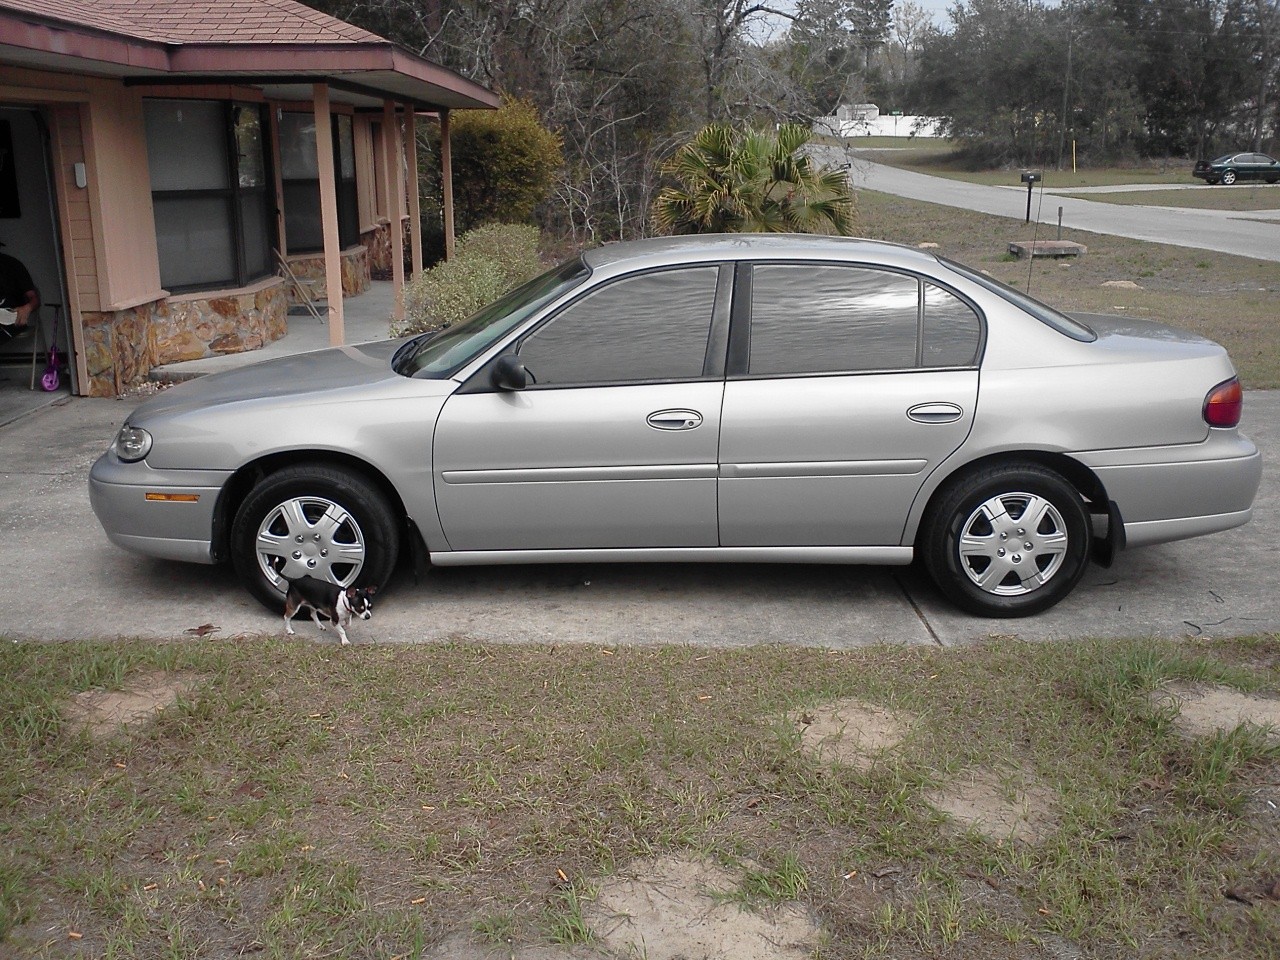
(674, 419)
(935, 413)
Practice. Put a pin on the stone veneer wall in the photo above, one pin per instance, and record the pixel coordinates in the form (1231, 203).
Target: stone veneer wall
(378, 242)
(309, 269)
(122, 346)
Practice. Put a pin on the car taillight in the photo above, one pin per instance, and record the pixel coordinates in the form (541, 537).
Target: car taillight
(1223, 404)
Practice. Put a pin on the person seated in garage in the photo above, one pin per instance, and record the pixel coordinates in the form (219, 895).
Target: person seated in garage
(18, 294)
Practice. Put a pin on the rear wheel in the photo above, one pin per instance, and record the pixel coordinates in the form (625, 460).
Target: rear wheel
(1007, 541)
(321, 521)
(1229, 177)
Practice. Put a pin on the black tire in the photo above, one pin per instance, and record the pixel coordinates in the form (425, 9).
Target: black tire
(348, 532)
(1229, 177)
(1056, 557)
(1271, 180)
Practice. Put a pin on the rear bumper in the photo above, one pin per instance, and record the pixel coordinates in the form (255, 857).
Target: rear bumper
(1172, 493)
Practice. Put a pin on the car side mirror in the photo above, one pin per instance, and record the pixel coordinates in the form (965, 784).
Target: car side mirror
(509, 373)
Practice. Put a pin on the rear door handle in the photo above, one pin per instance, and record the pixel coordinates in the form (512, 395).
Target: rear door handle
(674, 419)
(935, 413)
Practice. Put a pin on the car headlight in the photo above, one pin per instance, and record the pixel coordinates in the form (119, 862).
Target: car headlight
(132, 443)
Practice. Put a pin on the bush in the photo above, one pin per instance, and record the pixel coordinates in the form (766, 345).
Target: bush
(488, 262)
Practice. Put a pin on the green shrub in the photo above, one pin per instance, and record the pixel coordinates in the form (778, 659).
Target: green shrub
(487, 263)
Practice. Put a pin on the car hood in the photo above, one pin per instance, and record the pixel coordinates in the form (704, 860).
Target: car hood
(332, 373)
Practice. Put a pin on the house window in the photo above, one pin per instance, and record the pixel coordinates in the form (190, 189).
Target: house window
(211, 202)
(300, 173)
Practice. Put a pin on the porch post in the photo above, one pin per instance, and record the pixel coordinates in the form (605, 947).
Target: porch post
(329, 213)
(415, 202)
(446, 182)
(391, 148)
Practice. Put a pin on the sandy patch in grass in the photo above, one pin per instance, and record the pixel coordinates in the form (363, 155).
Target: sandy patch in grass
(852, 732)
(980, 800)
(103, 712)
(669, 908)
(665, 909)
(1204, 710)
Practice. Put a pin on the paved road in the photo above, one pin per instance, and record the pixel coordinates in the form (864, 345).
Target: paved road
(65, 580)
(1243, 234)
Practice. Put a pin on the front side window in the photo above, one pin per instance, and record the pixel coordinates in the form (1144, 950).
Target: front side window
(208, 192)
(653, 326)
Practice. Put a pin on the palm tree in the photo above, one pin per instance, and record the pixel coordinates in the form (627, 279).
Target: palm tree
(752, 182)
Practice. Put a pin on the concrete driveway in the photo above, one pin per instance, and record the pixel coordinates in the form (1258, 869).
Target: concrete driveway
(67, 581)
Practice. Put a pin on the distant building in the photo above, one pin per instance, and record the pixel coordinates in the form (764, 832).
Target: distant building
(865, 120)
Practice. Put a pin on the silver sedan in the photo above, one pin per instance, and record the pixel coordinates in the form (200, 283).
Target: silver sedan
(732, 398)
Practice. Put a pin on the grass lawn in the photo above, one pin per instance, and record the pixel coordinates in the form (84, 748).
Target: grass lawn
(305, 800)
(1260, 197)
(1233, 300)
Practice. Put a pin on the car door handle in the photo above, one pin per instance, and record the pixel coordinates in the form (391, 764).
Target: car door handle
(674, 419)
(935, 413)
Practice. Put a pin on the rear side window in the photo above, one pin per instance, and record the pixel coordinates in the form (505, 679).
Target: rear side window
(829, 318)
(649, 327)
(951, 331)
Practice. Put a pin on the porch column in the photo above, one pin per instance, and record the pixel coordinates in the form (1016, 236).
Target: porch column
(392, 150)
(415, 202)
(446, 182)
(329, 214)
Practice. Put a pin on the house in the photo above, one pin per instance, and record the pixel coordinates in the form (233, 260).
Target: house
(161, 159)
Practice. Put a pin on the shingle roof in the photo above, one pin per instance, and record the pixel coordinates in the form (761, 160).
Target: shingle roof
(200, 21)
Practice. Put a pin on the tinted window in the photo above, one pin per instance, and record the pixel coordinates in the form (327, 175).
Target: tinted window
(951, 330)
(809, 318)
(649, 327)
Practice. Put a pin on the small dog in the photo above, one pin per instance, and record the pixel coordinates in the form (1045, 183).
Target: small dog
(321, 596)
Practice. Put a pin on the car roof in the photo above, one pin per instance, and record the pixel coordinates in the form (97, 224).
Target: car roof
(657, 251)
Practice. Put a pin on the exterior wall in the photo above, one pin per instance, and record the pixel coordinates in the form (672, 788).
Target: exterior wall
(121, 346)
(309, 269)
(378, 242)
(194, 326)
(116, 142)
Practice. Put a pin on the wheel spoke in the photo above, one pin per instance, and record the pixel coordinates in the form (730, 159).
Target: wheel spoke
(294, 518)
(332, 521)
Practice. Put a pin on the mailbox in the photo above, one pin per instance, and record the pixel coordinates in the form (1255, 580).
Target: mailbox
(1030, 176)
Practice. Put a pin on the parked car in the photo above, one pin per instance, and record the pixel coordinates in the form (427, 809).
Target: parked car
(1238, 166)
(730, 398)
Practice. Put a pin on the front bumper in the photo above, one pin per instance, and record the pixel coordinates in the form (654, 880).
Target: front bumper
(169, 530)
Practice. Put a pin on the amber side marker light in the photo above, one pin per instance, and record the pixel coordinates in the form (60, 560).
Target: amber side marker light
(1224, 404)
(175, 497)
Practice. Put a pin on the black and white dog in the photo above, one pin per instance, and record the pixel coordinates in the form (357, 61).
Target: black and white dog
(323, 597)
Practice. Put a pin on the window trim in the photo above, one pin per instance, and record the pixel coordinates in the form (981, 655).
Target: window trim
(740, 332)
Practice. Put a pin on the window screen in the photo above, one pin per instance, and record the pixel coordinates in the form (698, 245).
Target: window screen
(650, 327)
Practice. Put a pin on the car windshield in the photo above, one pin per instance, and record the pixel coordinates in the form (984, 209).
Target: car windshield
(439, 354)
(1043, 312)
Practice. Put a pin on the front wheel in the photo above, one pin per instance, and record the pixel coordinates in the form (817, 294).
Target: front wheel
(1229, 177)
(1008, 541)
(320, 521)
